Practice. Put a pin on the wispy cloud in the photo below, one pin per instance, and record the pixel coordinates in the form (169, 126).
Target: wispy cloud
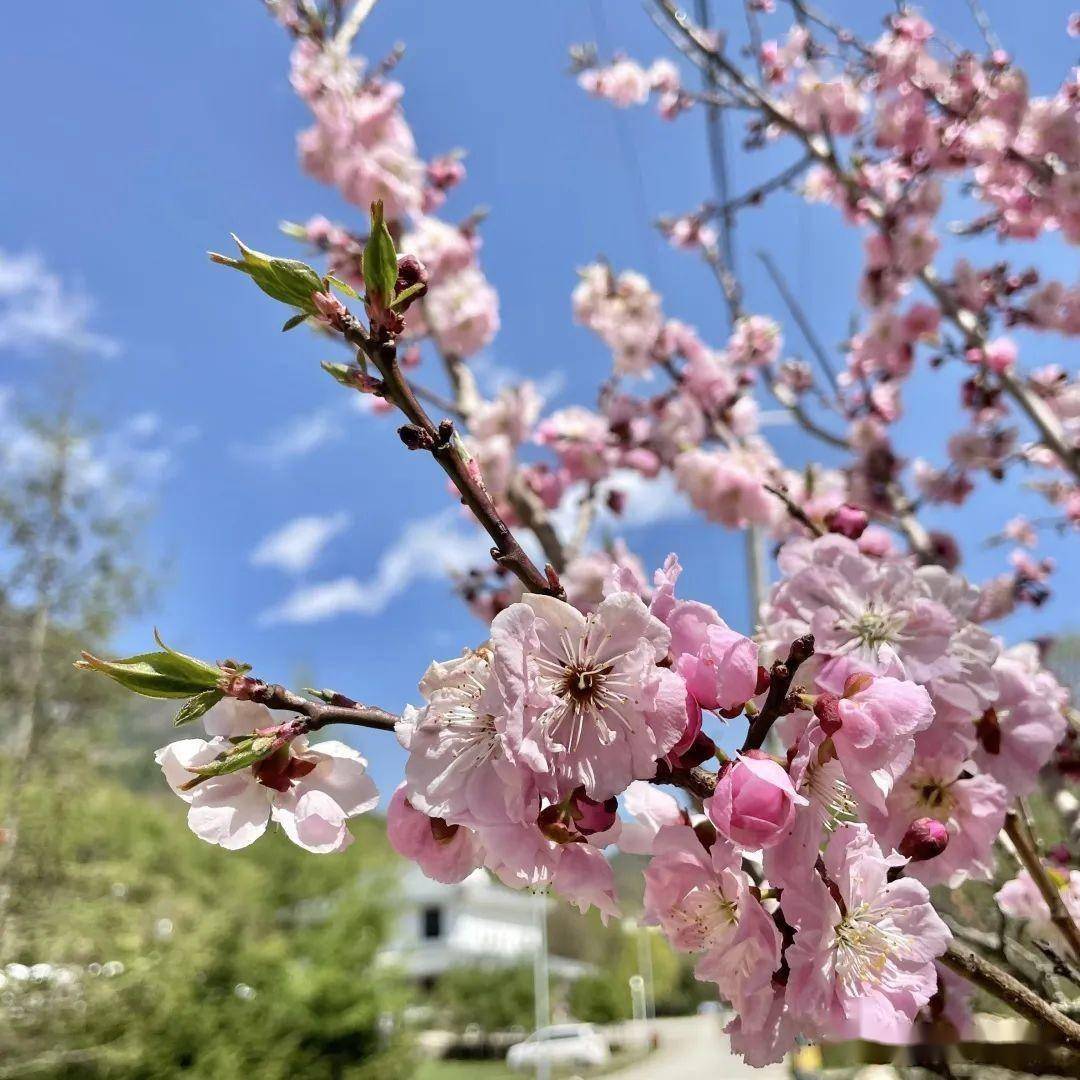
(301, 436)
(39, 313)
(297, 544)
(118, 468)
(427, 549)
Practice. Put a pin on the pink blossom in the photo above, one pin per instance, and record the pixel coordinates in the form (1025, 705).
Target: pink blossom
(522, 857)
(1026, 722)
(999, 355)
(1021, 898)
(623, 311)
(588, 578)
(883, 616)
(311, 791)
(719, 665)
(623, 83)
(972, 808)
(878, 719)
(361, 142)
(755, 342)
(652, 809)
(835, 104)
(818, 778)
(582, 441)
(447, 853)
(459, 767)
(754, 801)
(863, 968)
(586, 702)
(463, 312)
(443, 249)
(726, 485)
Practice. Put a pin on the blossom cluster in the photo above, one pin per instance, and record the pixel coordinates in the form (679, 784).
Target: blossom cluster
(888, 732)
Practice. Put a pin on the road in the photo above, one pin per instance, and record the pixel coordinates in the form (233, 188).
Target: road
(695, 1048)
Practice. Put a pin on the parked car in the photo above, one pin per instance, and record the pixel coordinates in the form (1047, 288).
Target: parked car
(560, 1044)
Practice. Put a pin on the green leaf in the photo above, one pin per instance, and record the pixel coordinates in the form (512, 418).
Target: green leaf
(196, 706)
(165, 674)
(344, 286)
(243, 757)
(342, 373)
(404, 295)
(380, 259)
(295, 321)
(288, 280)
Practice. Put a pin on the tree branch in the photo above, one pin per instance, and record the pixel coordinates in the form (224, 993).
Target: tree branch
(1010, 990)
(1028, 854)
(318, 714)
(445, 445)
(781, 675)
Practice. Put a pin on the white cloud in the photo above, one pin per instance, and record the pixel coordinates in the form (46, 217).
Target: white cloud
(297, 544)
(39, 313)
(298, 438)
(427, 549)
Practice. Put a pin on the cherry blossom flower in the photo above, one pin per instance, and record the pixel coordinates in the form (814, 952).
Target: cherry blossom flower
(873, 727)
(623, 311)
(443, 249)
(883, 616)
(586, 702)
(311, 791)
(1020, 898)
(971, 807)
(1018, 733)
(459, 767)
(862, 963)
(719, 665)
(727, 485)
(463, 312)
(447, 853)
(701, 898)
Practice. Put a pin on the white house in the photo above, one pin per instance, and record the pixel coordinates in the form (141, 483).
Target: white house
(475, 922)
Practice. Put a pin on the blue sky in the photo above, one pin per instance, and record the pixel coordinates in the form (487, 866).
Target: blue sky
(143, 135)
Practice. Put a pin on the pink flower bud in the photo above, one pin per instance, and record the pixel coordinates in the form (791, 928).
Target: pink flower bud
(847, 520)
(754, 802)
(925, 839)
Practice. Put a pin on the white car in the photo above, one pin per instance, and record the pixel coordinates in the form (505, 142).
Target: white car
(560, 1044)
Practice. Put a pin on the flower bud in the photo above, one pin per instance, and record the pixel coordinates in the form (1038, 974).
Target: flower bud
(925, 839)
(847, 520)
(754, 801)
(827, 711)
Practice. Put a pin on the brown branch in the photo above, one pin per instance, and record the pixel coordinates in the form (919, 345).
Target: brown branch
(526, 504)
(1010, 990)
(781, 675)
(318, 714)
(801, 320)
(795, 510)
(1028, 854)
(444, 444)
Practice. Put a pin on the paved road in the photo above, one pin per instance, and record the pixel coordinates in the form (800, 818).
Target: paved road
(695, 1048)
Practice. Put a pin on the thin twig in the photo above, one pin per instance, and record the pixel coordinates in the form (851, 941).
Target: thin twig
(445, 445)
(781, 676)
(318, 714)
(801, 320)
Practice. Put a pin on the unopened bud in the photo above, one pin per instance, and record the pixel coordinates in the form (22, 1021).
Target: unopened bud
(847, 520)
(926, 838)
(827, 711)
